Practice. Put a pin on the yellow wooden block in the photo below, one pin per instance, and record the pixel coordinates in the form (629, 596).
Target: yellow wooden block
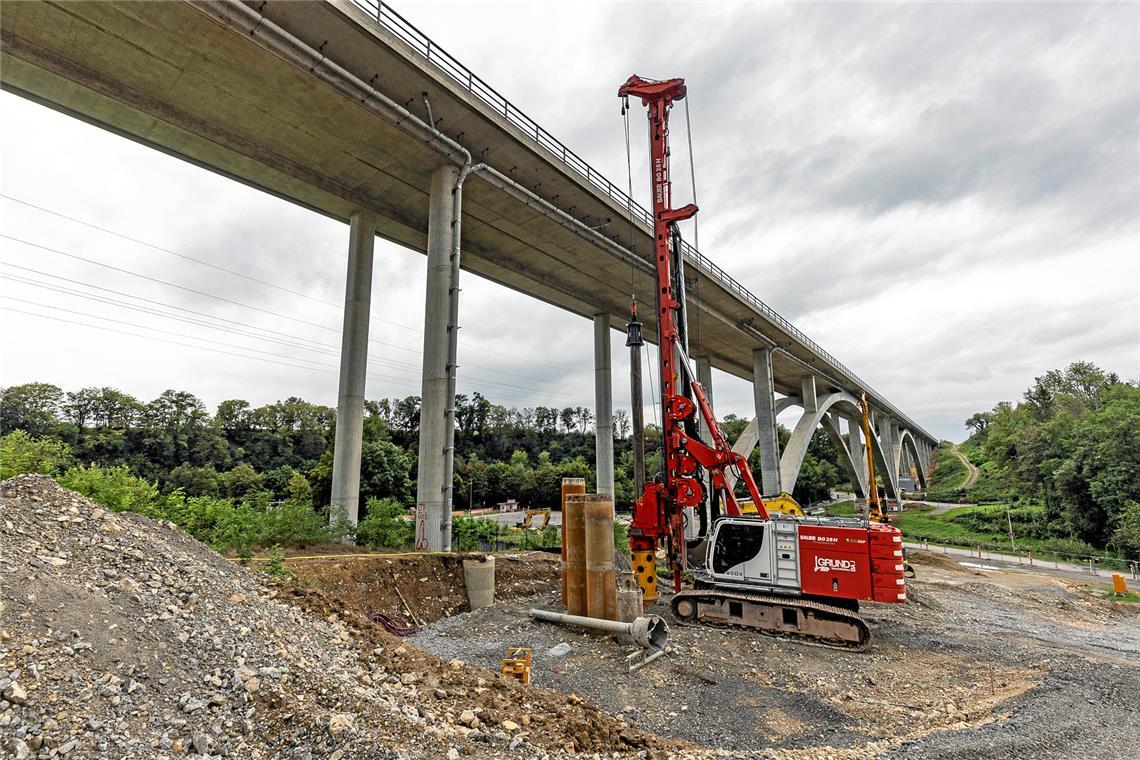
(517, 663)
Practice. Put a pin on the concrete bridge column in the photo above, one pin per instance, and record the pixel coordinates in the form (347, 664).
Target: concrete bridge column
(603, 405)
(433, 515)
(704, 377)
(767, 439)
(808, 395)
(353, 368)
(855, 447)
(887, 446)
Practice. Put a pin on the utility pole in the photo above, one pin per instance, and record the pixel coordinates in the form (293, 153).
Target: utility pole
(1009, 521)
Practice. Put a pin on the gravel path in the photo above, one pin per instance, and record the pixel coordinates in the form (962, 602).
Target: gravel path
(972, 472)
(966, 672)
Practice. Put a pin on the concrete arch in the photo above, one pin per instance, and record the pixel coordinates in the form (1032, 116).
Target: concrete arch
(907, 440)
(791, 462)
(793, 455)
(750, 436)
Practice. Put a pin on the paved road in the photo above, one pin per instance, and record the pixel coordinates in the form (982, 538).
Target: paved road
(1000, 561)
(514, 518)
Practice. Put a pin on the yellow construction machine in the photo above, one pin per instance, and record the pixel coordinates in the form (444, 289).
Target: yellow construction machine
(784, 504)
(526, 523)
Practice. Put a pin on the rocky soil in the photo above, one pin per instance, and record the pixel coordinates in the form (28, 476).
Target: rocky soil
(122, 637)
(422, 588)
(983, 665)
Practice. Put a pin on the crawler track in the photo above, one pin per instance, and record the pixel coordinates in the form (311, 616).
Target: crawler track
(801, 619)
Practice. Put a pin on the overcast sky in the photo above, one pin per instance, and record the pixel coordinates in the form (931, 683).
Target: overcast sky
(945, 197)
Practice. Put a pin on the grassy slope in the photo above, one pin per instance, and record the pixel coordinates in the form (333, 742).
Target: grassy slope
(984, 526)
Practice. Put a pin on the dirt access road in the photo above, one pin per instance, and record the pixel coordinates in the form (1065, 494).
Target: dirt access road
(972, 472)
(989, 664)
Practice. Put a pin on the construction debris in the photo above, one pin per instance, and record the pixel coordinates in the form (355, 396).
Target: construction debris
(517, 664)
(393, 624)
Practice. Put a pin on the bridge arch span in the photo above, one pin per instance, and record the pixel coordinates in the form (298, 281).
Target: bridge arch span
(907, 440)
(793, 455)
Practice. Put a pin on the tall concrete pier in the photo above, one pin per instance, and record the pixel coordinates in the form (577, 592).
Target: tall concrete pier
(353, 367)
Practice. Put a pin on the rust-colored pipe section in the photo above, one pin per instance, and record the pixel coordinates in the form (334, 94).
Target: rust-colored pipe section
(569, 486)
(575, 520)
(601, 579)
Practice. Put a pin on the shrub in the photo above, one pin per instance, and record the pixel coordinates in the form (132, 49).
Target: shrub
(115, 488)
(274, 566)
(294, 522)
(621, 538)
(22, 454)
(384, 525)
(467, 531)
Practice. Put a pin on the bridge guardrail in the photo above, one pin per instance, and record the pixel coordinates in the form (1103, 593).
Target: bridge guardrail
(386, 17)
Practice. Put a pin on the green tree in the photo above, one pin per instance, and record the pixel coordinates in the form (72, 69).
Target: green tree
(242, 481)
(195, 481)
(33, 407)
(386, 472)
(21, 454)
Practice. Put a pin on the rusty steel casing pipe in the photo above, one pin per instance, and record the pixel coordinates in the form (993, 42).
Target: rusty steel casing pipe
(575, 532)
(601, 574)
(650, 632)
(570, 487)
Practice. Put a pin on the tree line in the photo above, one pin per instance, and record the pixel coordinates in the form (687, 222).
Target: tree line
(282, 450)
(1070, 448)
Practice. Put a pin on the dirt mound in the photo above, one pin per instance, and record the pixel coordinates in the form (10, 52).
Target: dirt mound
(124, 637)
(940, 561)
(554, 720)
(422, 588)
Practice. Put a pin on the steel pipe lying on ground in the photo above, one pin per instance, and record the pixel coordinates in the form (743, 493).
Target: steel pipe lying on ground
(649, 632)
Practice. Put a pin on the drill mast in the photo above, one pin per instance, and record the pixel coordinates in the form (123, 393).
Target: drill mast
(659, 513)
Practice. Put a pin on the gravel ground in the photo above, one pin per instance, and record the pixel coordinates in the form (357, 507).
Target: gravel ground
(121, 637)
(985, 665)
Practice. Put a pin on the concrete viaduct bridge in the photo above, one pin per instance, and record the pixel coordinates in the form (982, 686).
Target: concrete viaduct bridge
(345, 108)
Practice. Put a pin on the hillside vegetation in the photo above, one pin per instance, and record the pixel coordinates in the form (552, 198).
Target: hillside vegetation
(1066, 457)
(249, 476)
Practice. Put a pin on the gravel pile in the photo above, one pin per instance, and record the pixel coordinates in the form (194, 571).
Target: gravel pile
(123, 637)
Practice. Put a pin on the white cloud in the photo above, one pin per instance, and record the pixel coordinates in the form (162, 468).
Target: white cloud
(945, 197)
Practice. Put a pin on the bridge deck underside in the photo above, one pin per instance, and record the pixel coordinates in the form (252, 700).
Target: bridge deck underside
(173, 76)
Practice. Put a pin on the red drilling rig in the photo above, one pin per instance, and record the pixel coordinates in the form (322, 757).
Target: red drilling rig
(801, 577)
